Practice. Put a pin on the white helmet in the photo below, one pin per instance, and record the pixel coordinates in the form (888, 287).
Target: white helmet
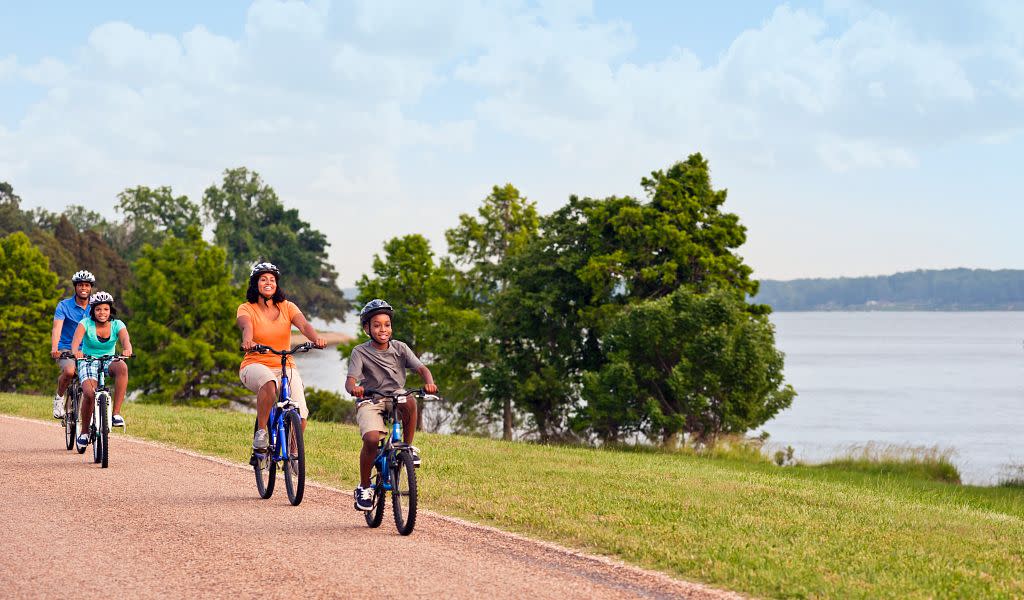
(101, 298)
(264, 267)
(83, 277)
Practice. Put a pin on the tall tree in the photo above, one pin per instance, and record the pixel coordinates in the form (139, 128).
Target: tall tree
(150, 215)
(184, 326)
(694, 363)
(26, 315)
(504, 226)
(251, 223)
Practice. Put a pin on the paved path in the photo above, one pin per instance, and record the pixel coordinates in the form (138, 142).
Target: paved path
(164, 523)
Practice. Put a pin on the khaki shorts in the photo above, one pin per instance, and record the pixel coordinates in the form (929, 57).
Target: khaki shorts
(370, 417)
(255, 376)
(62, 362)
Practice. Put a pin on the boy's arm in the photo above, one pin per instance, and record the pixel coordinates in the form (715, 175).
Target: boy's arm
(352, 387)
(428, 379)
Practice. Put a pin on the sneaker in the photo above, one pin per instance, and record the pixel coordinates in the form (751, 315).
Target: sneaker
(415, 456)
(364, 498)
(117, 421)
(58, 407)
(261, 441)
(82, 441)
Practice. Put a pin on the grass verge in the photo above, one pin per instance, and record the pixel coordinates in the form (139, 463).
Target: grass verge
(744, 525)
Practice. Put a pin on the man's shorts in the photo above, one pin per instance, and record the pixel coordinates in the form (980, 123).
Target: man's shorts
(64, 362)
(90, 369)
(255, 376)
(370, 417)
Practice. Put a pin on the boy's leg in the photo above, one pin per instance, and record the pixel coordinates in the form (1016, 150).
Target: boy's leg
(366, 455)
(408, 411)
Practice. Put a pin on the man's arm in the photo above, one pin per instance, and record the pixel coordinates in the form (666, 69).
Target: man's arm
(58, 324)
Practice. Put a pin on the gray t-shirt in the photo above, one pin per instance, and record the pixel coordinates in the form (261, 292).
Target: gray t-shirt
(382, 370)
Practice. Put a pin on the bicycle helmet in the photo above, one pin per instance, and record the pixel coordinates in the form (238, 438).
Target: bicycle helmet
(83, 277)
(375, 307)
(101, 298)
(264, 267)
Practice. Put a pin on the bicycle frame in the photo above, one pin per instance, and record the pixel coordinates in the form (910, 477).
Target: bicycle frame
(275, 422)
(391, 444)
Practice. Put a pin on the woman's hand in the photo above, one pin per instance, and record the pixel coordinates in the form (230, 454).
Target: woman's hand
(79, 354)
(126, 352)
(247, 344)
(320, 343)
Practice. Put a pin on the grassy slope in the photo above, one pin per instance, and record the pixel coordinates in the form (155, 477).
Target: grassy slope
(756, 528)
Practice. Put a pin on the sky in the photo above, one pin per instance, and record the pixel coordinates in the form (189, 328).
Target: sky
(853, 137)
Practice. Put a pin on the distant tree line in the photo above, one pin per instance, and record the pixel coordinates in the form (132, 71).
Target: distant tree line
(609, 320)
(947, 289)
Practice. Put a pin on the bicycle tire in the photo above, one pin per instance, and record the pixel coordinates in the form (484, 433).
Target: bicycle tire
(403, 492)
(375, 516)
(70, 419)
(294, 466)
(104, 408)
(266, 473)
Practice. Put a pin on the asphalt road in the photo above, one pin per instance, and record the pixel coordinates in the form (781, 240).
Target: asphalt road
(165, 523)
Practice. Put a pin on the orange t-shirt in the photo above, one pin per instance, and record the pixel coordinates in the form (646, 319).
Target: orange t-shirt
(276, 333)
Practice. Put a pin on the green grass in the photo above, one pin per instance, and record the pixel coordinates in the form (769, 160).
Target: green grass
(735, 523)
(922, 463)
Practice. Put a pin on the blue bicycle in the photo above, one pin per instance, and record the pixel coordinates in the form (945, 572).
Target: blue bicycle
(393, 469)
(286, 444)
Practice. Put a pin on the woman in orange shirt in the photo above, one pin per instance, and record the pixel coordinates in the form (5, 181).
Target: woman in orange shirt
(267, 318)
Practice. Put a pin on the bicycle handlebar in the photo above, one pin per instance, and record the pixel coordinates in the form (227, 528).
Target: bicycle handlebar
(377, 396)
(107, 357)
(261, 349)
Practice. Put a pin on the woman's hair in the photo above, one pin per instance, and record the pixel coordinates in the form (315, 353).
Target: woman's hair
(253, 294)
(92, 311)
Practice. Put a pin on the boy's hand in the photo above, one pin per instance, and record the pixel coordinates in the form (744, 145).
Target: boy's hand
(357, 391)
(430, 388)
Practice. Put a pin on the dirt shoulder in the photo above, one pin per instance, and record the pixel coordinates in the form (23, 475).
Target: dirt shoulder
(162, 522)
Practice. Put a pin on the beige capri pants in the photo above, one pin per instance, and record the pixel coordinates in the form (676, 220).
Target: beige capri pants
(255, 376)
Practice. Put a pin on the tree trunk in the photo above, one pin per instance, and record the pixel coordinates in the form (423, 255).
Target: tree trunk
(506, 432)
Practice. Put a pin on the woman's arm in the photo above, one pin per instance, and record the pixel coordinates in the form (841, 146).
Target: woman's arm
(300, 322)
(126, 342)
(77, 341)
(245, 324)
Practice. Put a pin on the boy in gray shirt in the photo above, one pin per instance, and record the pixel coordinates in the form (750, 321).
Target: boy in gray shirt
(380, 364)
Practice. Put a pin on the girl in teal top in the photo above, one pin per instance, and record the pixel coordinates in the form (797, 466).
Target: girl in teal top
(98, 335)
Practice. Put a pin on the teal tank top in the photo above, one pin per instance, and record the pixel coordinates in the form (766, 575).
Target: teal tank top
(91, 345)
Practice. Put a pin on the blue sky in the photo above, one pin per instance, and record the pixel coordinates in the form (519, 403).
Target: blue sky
(854, 137)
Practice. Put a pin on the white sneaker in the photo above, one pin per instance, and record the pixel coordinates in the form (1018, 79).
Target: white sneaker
(58, 407)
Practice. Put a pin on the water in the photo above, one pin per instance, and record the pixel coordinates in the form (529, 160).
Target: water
(953, 380)
(948, 379)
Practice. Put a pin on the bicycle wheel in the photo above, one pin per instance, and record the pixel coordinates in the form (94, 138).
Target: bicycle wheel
(375, 515)
(294, 465)
(70, 418)
(403, 493)
(266, 472)
(104, 431)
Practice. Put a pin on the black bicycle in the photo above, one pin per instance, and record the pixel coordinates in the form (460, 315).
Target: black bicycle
(286, 443)
(72, 403)
(102, 412)
(393, 468)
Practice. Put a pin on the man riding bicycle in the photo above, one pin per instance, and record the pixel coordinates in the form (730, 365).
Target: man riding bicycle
(65, 321)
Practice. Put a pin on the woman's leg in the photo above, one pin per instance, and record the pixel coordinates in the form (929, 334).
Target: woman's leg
(265, 399)
(119, 370)
(88, 399)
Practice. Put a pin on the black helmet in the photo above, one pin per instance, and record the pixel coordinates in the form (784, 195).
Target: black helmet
(264, 267)
(83, 277)
(374, 307)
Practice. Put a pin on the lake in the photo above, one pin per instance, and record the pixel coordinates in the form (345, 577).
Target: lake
(948, 379)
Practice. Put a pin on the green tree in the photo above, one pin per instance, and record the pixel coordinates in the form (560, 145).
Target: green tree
(184, 327)
(26, 315)
(89, 250)
(695, 363)
(505, 224)
(251, 224)
(150, 215)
